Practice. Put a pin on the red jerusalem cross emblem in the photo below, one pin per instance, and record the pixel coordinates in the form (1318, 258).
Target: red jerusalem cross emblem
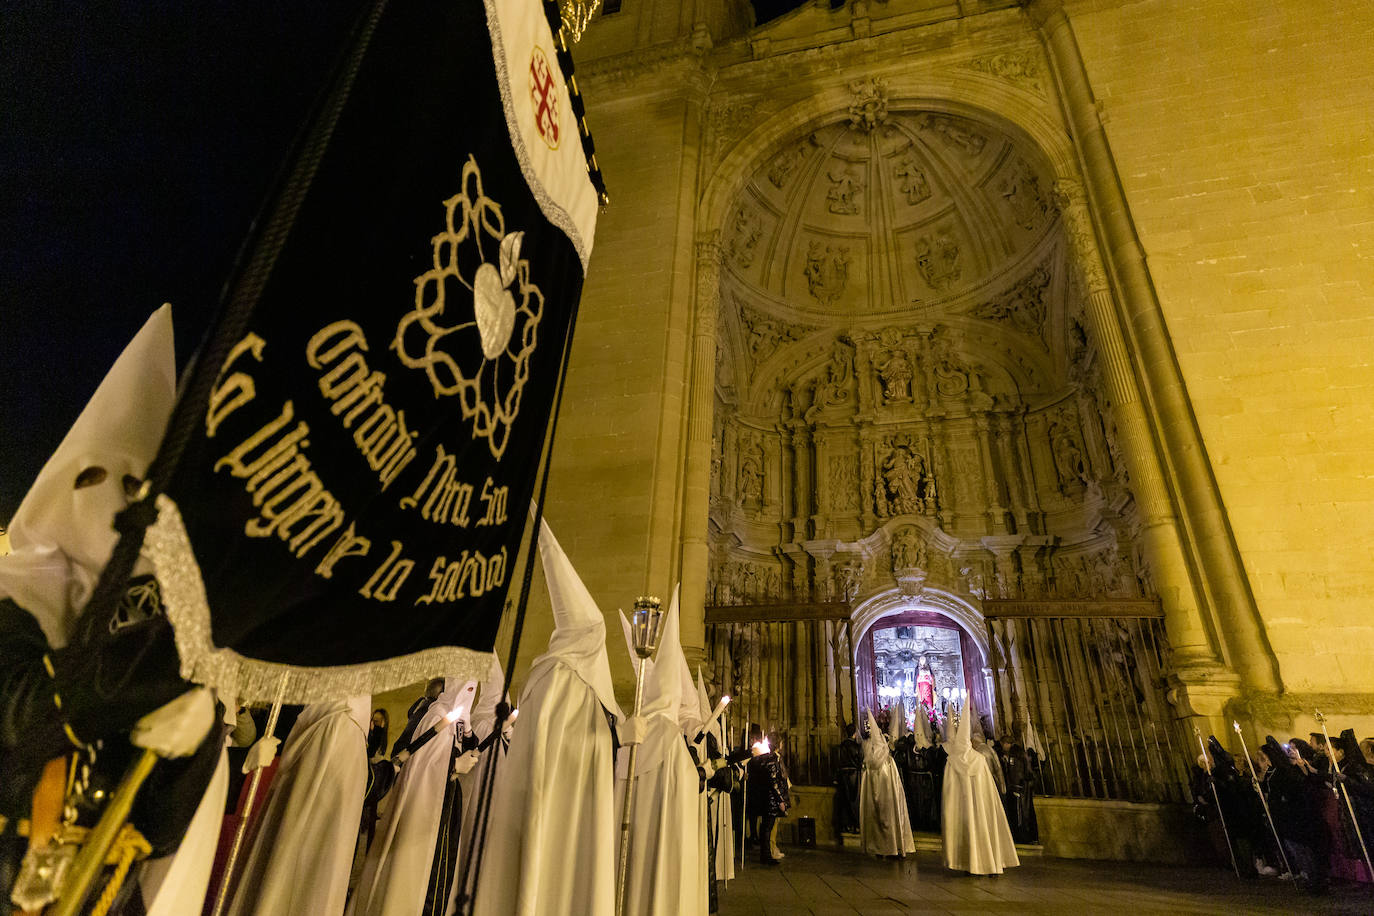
(544, 95)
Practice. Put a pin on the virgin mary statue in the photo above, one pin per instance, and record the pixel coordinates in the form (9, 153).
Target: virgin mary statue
(925, 684)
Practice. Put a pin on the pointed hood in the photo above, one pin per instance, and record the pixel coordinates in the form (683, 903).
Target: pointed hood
(663, 680)
(62, 536)
(896, 722)
(579, 635)
(690, 718)
(922, 730)
(873, 730)
(484, 710)
(963, 734)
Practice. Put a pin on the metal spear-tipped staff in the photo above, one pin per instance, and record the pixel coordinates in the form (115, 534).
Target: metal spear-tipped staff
(1211, 781)
(645, 628)
(1254, 781)
(1321, 719)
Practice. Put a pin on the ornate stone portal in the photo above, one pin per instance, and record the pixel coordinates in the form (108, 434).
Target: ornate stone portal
(906, 399)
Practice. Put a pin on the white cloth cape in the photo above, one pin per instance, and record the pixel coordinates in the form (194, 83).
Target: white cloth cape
(302, 852)
(551, 847)
(396, 872)
(973, 823)
(664, 874)
(884, 823)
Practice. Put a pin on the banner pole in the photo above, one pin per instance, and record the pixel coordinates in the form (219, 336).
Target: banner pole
(226, 880)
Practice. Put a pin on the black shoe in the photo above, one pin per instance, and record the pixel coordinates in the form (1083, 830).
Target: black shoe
(770, 861)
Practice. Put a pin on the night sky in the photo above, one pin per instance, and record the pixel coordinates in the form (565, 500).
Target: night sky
(139, 140)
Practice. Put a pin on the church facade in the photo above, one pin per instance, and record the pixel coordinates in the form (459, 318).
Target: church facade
(1032, 341)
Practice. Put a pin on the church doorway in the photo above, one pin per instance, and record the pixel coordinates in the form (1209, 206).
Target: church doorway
(919, 658)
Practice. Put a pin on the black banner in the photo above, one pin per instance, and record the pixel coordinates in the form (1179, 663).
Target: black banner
(357, 486)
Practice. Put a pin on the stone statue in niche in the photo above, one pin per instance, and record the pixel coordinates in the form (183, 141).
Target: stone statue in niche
(911, 180)
(895, 374)
(844, 192)
(827, 271)
(937, 258)
(908, 549)
(905, 485)
(751, 474)
(1069, 462)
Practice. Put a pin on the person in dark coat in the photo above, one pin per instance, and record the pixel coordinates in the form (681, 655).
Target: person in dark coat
(1295, 789)
(1240, 806)
(1019, 800)
(768, 798)
(849, 763)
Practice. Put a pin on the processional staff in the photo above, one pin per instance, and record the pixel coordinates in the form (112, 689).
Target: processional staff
(1211, 781)
(645, 628)
(1345, 793)
(1254, 781)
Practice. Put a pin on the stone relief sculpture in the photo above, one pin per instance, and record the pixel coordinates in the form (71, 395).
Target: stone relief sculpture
(908, 549)
(787, 162)
(868, 107)
(848, 579)
(1021, 190)
(764, 334)
(1024, 306)
(904, 485)
(843, 483)
(937, 258)
(895, 374)
(844, 191)
(911, 179)
(827, 271)
(833, 386)
(955, 132)
(951, 373)
(746, 229)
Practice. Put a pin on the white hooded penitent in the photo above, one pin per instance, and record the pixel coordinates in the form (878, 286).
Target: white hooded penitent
(884, 823)
(974, 826)
(62, 535)
(551, 835)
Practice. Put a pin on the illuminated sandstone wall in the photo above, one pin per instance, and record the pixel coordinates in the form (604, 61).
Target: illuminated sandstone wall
(1244, 135)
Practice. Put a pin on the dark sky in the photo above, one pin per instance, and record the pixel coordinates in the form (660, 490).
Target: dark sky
(138, 141)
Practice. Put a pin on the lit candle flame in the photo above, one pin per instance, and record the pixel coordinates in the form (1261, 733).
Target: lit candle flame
(1236, 726)
(513, 714)
(454, 714)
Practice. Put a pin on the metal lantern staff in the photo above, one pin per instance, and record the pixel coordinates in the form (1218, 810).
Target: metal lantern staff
(1359, 835)
(645, 628)
(1254, 781)
(1211, 781)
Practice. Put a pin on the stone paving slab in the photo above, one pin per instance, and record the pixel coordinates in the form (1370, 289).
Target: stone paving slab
(824, 882)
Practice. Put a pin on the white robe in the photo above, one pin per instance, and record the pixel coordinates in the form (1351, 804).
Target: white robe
(177, 883)
(303, 850)
(396, 872)
(664, 877)
(884, 824)
(553, 827)
(973, 822)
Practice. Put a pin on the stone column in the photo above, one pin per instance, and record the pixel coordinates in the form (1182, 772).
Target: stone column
(1193, 641)
(696, 499)
(1222, 581)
